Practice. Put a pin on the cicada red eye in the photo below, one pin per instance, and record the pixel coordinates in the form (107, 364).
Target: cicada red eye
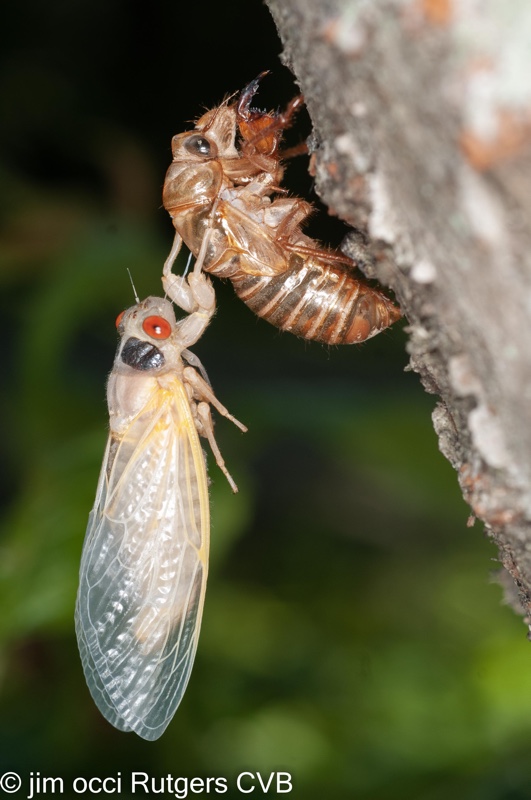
(157, 327)
(119, 318)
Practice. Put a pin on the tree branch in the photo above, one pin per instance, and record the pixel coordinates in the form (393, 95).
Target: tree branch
(422, 142)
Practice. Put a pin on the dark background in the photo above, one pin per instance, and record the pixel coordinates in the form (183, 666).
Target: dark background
(351, 636)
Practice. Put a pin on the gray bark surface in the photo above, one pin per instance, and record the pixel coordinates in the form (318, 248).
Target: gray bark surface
(422, 142)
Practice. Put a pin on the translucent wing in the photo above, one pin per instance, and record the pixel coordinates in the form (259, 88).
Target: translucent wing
(144, 567)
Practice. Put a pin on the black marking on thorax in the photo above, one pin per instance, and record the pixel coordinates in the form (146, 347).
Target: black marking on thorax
(141, 355)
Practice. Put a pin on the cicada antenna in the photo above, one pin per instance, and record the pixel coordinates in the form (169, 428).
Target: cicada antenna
(133, 285)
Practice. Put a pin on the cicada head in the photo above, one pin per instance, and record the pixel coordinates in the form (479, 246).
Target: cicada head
(196, 175)
(148, 339)
(219, 126)
(213, 137)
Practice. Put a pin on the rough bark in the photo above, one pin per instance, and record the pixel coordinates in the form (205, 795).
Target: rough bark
(422, 142)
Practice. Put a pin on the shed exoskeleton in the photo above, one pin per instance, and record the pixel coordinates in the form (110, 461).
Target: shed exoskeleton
(223, 193)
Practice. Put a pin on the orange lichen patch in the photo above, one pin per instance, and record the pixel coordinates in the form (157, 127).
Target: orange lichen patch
(513, 135)
(488, 503)
(329, 30)
(437, 12)
(416, 15)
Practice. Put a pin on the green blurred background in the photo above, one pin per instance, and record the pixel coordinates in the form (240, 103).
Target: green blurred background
(352, 635)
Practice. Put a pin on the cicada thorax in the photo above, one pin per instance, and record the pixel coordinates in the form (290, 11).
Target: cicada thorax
(223, 189)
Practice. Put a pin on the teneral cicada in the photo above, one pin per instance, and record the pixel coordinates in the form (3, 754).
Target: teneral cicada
(223, 193)
(145, 556)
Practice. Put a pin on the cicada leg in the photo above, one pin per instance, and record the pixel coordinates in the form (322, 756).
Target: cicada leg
(192, 293)
(202, 392)
(205, 427)
(174, 252)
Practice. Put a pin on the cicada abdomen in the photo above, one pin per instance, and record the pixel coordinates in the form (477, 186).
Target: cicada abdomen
(319, 302)
(145, 556)
(223, 193)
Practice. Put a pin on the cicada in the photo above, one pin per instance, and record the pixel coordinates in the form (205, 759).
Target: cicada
(223, 187)
(145, 556)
